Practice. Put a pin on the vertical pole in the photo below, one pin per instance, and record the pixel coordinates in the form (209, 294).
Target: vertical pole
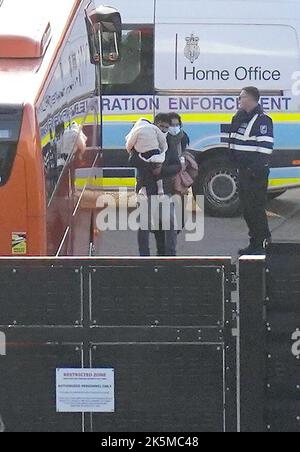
(86, 271)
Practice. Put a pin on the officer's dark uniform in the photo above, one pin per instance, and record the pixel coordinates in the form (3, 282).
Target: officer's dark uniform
(251, 145)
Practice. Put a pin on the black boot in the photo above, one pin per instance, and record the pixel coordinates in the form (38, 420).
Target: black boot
(249, 251)
(256, 248)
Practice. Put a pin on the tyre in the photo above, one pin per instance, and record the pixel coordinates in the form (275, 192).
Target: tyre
(217, 181)
(276, 194)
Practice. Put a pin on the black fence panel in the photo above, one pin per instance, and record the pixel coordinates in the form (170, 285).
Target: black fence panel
(163, 387)
(27, 385)
(40, 295)
(269, 312)
(251, 374)
(159, 295)
(166, 326)
(282, 408)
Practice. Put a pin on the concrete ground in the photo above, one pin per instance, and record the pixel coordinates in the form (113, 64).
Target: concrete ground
(222, 236)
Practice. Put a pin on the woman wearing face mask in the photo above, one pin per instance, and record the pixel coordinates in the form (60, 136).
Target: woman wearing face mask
(178, 140)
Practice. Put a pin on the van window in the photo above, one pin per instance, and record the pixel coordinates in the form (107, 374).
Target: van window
(134, 73)
(225, 56)
(10, 124)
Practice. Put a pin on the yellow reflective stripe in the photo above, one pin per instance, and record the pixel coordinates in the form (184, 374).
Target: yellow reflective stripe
(131, 182)
(285, 117)
(88, 120)
(221, 118)
(213, 118)
(46, 140)
(126, 118)
(279, 182)
(187, 117)
(103, 182)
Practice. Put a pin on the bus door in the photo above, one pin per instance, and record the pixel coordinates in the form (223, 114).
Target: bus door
(70, 123)
(60, 121)
(83, 176)
(13, 193)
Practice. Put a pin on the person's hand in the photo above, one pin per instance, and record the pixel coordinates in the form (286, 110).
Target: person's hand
(183, 164)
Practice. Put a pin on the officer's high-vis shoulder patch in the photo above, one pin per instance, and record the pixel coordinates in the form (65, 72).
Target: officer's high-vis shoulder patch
(264, 130)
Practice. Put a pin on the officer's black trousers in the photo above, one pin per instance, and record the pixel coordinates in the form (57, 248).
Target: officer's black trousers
(253, 195)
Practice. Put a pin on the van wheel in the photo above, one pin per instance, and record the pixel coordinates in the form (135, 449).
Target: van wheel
(217, 182)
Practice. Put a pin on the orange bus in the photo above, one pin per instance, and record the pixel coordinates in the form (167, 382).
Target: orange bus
(51, 55)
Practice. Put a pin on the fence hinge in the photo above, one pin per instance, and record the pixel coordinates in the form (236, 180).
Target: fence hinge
(234, 279)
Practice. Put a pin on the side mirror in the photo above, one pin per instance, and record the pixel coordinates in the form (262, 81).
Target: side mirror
(105, 34)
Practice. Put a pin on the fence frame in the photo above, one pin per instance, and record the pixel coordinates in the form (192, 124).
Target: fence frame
(86, 333)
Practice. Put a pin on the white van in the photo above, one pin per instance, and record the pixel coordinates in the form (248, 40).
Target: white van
(193, 57)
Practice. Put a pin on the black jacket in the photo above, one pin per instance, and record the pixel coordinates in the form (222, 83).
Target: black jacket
(145, 178)
(251, 140)
(183, 140)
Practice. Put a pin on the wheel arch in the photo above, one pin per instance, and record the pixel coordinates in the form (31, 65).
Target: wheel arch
(213, 152)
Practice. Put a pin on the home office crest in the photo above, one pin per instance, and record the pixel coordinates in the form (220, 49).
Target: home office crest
(192, 49)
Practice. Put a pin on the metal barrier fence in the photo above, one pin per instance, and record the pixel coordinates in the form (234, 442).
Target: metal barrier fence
(163, 326)
(188, 352)
(270, 340)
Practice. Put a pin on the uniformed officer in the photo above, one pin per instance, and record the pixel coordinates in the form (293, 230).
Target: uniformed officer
(251, 145)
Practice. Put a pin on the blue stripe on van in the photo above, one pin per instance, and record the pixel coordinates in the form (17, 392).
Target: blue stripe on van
(285, 173)
(287, 136)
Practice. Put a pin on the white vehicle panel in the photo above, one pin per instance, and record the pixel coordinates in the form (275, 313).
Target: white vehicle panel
(215, 57)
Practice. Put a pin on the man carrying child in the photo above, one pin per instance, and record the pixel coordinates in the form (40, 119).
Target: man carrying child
(148, 148)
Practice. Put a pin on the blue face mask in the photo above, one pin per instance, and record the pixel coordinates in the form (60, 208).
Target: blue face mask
(175, 130)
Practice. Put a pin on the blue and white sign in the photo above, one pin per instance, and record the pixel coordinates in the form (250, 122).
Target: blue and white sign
(225, 56)
(85, 390)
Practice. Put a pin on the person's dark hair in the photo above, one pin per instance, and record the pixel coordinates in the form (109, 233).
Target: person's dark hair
(175, 116)
(253, 92)
(162, 117)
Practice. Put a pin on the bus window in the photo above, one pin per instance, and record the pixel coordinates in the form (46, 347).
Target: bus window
(85, 170)
(10, 123)
(134, 73)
